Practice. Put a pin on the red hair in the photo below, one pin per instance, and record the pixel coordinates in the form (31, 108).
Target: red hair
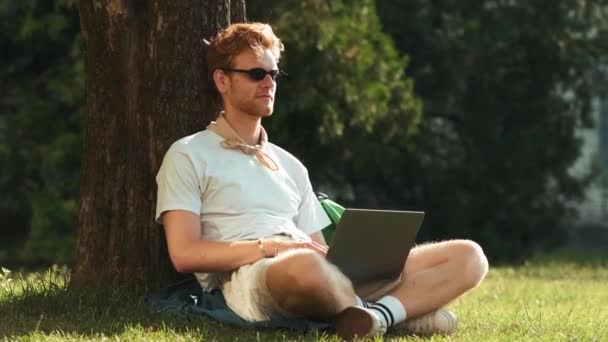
(238, 37)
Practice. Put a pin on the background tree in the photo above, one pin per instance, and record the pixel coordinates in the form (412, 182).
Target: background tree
(346, 108)
(145, 88)
(506, 85)
(41, 112)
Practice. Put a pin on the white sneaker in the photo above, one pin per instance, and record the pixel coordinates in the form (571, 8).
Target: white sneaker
(442, 321)
(358, 322)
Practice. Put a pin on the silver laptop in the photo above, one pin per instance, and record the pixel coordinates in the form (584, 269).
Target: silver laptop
(374, 244)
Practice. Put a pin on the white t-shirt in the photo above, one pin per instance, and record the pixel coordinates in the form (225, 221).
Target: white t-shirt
(236, 197)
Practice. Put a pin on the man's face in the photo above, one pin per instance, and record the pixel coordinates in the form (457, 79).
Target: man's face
(241, 92)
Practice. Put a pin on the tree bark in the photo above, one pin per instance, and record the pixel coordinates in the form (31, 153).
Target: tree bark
(146, 87)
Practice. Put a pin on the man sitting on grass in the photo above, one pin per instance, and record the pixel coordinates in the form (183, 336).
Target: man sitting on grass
(240, 213)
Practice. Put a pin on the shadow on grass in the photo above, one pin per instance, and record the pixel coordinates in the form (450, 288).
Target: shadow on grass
(44, 305)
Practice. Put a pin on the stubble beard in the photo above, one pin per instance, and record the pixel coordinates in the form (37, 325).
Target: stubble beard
(259, 112)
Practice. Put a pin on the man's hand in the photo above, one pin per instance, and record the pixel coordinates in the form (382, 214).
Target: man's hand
(276, 247)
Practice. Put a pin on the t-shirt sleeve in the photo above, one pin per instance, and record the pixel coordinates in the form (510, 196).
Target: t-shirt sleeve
(311, 216)
(178, 184)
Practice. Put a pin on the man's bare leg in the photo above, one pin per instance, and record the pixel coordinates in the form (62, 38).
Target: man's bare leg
(304, 283)
(437, 273)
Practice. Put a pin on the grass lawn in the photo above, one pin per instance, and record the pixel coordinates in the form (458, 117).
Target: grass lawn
(549, 299)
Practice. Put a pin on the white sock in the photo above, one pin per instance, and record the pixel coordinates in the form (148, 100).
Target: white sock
(389, 310)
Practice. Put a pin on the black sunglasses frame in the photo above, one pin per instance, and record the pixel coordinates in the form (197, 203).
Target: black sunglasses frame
(258, 74)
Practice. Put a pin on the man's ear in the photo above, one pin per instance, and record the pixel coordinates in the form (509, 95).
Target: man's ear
(221, 80)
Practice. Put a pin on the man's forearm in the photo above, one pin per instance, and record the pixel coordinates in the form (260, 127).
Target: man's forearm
(218, 256)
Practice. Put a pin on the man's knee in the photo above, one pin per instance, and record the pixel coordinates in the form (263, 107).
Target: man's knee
(300, 272)
(303, 282)
(475, 263)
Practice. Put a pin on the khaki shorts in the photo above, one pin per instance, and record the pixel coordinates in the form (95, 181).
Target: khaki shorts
(246, 293)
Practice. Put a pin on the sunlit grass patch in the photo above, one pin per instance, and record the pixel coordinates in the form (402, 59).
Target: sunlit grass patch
(548, 299)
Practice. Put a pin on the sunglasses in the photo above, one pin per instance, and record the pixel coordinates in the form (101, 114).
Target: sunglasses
(257, 74)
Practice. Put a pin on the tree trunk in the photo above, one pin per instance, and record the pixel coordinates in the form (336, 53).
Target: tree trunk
(146, 87)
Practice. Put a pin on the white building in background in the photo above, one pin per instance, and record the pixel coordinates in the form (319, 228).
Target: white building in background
(593, 210)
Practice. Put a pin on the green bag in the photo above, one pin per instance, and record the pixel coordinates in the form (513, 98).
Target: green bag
(334, 212)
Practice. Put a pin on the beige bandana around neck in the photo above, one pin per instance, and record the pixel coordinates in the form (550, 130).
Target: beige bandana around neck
(232, 140)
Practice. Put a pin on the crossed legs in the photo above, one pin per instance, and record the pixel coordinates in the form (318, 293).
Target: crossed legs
(304, 283)
(437, 273)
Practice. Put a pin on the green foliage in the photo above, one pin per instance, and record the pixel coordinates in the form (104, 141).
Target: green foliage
(505, 86)
(346, 105)
(41, 112)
